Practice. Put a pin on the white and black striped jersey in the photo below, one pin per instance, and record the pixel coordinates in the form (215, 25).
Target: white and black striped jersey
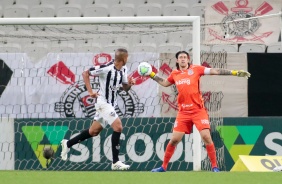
(110, 80)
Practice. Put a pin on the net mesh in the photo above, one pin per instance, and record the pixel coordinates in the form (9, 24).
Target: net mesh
(45, 93)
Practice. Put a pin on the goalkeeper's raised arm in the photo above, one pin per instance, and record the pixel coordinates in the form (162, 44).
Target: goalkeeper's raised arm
(219, 71)
(160, 80)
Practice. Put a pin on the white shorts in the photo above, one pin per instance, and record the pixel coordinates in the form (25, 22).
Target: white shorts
(105, 113)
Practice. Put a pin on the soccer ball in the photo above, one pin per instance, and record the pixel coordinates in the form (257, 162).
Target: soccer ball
(144, 69)
(48, 152)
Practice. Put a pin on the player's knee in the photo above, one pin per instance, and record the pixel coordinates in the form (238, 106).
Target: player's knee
(207, 139)
(117, 128)
(93, 133)
(174, 142)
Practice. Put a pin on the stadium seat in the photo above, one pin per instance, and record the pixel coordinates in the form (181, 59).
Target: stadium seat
(181, 37)
(151, 9)
(10, 48)
(122, 10)
(205, 48)
(97, 10)
(35, 51)
(83, 4)
(89, 48)
(204, 1)
(109, 3)
(42, 11)
(248, 47)
(224, 48)
(169, 47)
(15, 11)
(176, 10)
(63, 47)
(163, 3)
(113, 47)
(186, 1)
(130, 40)
(6, 3)
(55, 3)
(69, 11)
(154, 38)
(197, 10)
(29, 3)
(144, 47)
(135, 3)
(275, 48)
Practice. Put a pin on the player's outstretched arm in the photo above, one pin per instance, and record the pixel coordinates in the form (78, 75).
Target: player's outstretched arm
(239, 73)
(160, 80)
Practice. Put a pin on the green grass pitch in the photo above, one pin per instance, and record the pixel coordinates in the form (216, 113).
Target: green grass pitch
(130, 177)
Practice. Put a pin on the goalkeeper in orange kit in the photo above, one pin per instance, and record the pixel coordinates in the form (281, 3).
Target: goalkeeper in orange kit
(190, 104)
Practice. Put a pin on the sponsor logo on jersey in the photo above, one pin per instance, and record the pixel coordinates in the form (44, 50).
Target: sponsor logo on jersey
(183, 81)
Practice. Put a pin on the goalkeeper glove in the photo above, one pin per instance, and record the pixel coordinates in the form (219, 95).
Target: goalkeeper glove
(152, 75)
(241, 73)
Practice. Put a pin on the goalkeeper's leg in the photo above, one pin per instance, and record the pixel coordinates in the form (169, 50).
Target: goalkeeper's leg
(170, 148)
(205, 134)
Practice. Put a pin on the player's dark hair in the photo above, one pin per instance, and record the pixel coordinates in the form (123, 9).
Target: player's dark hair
(182, 52)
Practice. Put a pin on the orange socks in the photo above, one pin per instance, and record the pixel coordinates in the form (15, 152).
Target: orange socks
(212, 154)
(168, 154)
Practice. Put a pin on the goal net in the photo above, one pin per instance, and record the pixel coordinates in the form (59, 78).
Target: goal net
(44, 99)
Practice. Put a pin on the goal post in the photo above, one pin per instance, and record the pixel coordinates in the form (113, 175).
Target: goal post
(193, 21)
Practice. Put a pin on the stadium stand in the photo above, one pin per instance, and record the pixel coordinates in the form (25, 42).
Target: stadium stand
(197, 10)
(176, 10)
(150, 9)
(144, 47)
(15, 11)
(83, 5)
(73, 10)
(275, 48)
(226, 48)
(10, 48)
(96, 10)
(248, 47)
(169, 47)
(121, 10)
(28, 3)
(6, 3)
(54, 3)
(205, 48)
(42, 11)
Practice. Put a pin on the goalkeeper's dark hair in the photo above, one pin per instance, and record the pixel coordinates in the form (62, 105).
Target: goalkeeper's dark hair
(182, 52)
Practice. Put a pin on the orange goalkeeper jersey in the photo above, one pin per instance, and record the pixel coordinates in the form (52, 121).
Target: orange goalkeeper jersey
(187, 83)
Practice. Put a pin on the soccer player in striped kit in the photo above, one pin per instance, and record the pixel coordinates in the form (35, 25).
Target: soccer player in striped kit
(111, 77)
(191, 109)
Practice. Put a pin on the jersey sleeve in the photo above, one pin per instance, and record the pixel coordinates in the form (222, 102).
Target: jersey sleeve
(170, 78)
(201, 70)
(98, 70)
(124, 76)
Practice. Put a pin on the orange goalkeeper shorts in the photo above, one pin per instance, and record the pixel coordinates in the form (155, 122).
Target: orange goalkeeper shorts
(184, 121)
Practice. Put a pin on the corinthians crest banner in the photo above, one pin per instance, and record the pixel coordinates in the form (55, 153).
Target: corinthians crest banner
(259, 30)
(54, 88)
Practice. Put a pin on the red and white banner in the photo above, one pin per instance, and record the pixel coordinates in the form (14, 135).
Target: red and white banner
(262, 30)
(53, 87)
